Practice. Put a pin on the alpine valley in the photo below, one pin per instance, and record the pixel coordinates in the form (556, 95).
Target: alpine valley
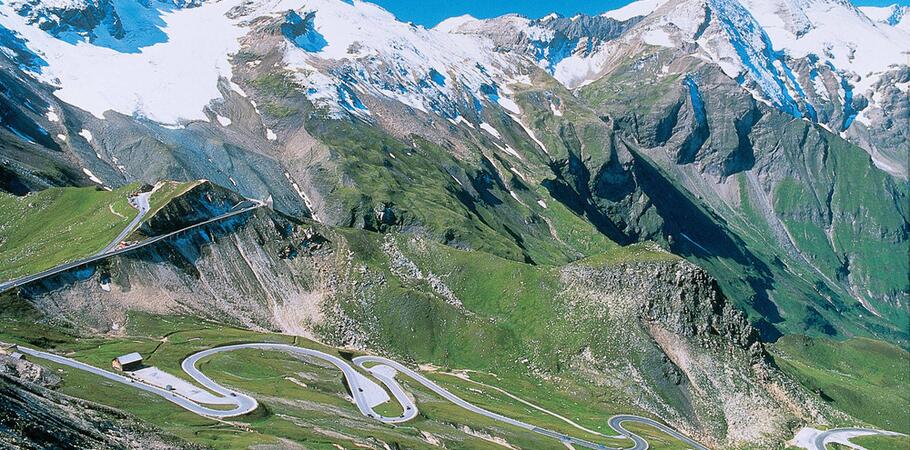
(678, 224)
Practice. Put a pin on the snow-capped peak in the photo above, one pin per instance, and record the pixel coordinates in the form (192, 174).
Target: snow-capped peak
(367, 51)
(453, 23)
(832, 30)
(893, 15)
(160, 62)
(637, 8)
(163, 61)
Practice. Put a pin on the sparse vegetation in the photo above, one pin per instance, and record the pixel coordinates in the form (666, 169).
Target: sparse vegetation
(277, 84)
(882, 442)
(278, 111)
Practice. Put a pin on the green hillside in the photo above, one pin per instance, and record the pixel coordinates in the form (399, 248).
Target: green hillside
(865, 378)
(49, 227)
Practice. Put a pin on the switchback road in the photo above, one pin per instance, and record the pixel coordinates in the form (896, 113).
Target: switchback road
(365, 393)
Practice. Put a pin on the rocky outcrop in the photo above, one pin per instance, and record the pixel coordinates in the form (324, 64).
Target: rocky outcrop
(26, 371)
(669, 329)
(881, 127)
(81, 16)
(710, 162)
(32, 416)
(199, 203)
(259, 270)
(549, 40)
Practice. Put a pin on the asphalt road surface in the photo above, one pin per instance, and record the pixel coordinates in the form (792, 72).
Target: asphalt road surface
(383, 369)
(141, 203)
(355, 380)
(842, 434)
(167, 395)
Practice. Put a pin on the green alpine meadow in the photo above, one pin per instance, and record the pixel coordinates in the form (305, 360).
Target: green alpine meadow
(334, 224)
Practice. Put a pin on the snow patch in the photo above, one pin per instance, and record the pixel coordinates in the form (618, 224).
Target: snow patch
(556, 111)
(224, 121)
(531, 134)
(86, 134)
(453, 23)
(186, 65)
(52, 116)
(489, 129)
(461, 119)
(517, 172)
(236, 88)
(306, 200)
(92, 176)
(509, 104)
(270, 135)
(509, 150)
(658, 37)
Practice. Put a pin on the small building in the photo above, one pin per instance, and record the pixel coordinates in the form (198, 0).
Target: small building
(128, 362)
(8, 349)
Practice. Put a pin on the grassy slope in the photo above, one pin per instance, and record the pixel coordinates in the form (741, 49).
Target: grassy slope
(168, 191)
(318, 415)
(867, 236)
(50, 227)
(865, 378)
(417, 180)
(56, 225)
(519, 318)
(883, 442)
(864, 235)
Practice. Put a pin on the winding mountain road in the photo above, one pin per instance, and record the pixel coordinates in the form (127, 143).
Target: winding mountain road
(363, 392)
(240, 208)
(814, 439)
(141, 203)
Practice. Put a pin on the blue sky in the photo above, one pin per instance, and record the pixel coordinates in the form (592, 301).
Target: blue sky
(429, 12)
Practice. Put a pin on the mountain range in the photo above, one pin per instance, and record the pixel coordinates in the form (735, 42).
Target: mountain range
(725, 175)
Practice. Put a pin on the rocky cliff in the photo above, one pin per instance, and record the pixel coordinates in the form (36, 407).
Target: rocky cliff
(33, 416)
(705, 367)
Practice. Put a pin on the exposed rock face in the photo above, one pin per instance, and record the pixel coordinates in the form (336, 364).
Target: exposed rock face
(83, 17)
(549, 40)
(28, 372)
(668, 327)
(249, 270)
(882, 126)
(79, 16)
(706, 149)
(663, 143)
(34, 417)
(198, 204)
